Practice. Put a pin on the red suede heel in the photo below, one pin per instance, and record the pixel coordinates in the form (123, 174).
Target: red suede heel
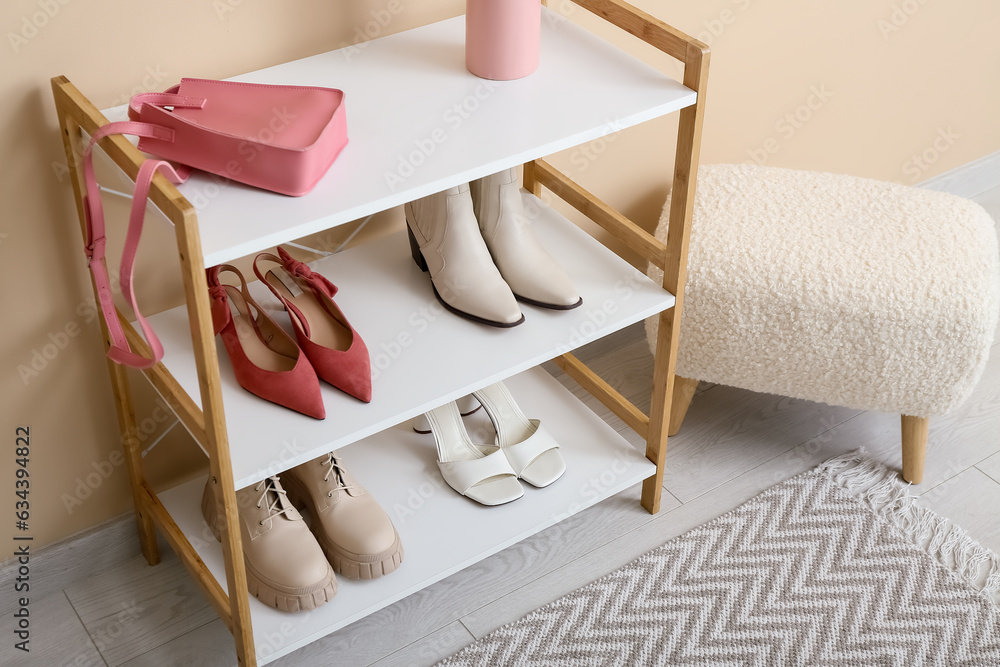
(265, 359)
(332, 345)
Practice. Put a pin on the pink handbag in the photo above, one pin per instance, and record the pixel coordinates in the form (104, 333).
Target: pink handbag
(279, 138)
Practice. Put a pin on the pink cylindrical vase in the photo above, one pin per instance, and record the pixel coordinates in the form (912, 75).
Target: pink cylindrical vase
(502, 38)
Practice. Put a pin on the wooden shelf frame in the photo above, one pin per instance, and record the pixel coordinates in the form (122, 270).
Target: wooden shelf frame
(671, 257)
(77, 115)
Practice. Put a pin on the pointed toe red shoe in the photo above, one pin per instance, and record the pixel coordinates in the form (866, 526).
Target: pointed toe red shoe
(332, 345)
(265, 359)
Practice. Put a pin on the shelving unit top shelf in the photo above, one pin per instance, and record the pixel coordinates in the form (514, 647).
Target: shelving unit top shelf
(420, 123)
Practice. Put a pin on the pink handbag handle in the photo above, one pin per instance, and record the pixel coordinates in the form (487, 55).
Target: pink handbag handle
(168, 98)
(119, 350)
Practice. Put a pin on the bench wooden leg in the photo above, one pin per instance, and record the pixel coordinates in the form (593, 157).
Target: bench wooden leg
(684, 389)
(914, 447)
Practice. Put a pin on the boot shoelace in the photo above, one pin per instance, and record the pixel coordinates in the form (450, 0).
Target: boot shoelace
(337, 471)
(274, 486)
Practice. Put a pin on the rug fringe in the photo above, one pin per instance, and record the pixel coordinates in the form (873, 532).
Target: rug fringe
(881, 489)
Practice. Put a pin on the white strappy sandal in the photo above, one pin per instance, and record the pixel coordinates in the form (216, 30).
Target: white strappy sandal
(467, 405)
(531, 450)
(478, 471)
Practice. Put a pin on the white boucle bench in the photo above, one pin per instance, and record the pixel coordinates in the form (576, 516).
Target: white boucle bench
(837, 289)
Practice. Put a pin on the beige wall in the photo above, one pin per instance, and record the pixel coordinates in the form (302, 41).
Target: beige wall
(855, 87)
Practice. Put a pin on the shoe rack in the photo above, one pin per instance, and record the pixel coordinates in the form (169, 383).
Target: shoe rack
(418, 124)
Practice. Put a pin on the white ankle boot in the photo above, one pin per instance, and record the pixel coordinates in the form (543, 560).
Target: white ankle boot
(532, 274)
(446, 241)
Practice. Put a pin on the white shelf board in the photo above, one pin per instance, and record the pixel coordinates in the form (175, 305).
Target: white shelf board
(441, 531)
(411, 90)
(422, 356)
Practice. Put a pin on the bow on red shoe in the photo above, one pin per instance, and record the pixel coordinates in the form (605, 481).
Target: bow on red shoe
(333, 346)
(298, 269)
(220, 298)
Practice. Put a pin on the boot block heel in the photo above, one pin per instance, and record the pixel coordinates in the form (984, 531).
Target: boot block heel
(418, 257)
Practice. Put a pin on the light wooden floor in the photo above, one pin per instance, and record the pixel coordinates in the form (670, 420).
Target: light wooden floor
(734, 444)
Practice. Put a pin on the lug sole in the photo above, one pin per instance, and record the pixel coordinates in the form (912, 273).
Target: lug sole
(357, 566)
(350, 565)
(284, 600)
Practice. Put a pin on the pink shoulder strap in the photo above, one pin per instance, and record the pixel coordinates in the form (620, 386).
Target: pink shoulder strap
(94, 213)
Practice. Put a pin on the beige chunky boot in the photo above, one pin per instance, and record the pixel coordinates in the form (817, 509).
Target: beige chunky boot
(445, 241)
(354, 531)
(286, 568)
(531, 272)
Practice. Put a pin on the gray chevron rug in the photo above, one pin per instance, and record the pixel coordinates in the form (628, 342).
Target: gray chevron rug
(837, 566)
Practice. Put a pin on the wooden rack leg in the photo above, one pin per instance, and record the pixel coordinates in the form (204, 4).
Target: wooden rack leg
(675, 270)
(133, 457)
(220, 461)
